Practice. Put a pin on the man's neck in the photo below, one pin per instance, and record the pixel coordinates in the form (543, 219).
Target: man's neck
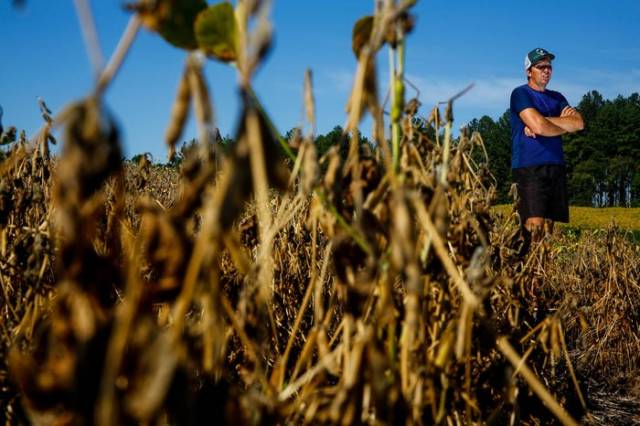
(536, 87)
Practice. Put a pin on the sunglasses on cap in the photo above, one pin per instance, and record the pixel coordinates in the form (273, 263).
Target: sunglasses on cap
(544, 67)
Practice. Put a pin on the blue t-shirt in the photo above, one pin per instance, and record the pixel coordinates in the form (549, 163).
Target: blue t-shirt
(526, 151)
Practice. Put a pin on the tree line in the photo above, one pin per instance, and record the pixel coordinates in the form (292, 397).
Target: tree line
(603, 161)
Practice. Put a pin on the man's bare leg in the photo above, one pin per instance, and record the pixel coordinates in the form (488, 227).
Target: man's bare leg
(534, 229)
(535, 225)
(531, 232)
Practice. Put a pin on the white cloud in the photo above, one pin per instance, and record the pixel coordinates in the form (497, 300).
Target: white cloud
(340, 80)
(490, 94)
(609, 83)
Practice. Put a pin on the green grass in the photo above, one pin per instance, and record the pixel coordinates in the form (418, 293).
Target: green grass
(595, 218)
(588, 217)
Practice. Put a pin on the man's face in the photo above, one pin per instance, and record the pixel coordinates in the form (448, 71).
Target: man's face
(540, 73)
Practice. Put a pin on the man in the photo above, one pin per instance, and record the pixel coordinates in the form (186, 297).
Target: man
(539, 118)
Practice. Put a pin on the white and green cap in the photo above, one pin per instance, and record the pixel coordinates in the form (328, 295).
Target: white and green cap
(536, 55)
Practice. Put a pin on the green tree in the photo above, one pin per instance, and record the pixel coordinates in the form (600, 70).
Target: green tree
(336, 137)
(332, 138)
(602, 160)
(497, 140)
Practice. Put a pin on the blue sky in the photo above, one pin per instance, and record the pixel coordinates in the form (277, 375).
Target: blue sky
(455, 43)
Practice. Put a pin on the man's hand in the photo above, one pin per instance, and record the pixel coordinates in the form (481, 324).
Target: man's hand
(528, 132)
(570, 120)
(538, 124)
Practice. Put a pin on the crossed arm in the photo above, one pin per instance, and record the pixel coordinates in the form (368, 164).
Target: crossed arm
(569, 121)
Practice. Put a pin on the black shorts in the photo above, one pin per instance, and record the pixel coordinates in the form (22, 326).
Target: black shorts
(543, 192)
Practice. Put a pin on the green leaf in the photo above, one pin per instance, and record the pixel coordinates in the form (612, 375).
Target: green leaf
(172, 19)
(217, 32)
(361, 34)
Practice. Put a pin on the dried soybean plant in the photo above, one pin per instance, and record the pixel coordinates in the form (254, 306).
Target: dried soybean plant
(572, 305)
(270, 286)
(26, 273)
(597, 308)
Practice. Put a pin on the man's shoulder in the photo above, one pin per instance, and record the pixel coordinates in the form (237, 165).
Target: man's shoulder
(554, 94)
(520, 99)
(520, 94)
(521, 88)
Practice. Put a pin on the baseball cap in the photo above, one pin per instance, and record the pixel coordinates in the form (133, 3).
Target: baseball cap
(536, 55)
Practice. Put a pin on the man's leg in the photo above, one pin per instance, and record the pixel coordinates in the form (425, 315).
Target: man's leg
(530, 231)
(533, 189)
(535, 225)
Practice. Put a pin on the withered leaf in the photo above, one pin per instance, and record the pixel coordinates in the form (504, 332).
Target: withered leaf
(405, 23)
(172, 19)
(361, 33)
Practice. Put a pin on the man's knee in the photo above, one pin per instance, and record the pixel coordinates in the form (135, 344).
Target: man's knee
(534, 224)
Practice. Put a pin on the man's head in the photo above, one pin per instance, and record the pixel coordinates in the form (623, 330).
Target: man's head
(538, 67)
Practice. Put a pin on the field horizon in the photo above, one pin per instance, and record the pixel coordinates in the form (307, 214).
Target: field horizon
(627, 218)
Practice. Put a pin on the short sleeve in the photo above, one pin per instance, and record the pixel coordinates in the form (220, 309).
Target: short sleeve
(520, 100)
(562, 101)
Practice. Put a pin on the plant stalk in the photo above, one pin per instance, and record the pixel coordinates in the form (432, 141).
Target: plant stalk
(397, 95)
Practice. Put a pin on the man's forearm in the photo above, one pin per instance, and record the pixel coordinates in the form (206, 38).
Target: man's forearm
(569, 123)
(546, 127)
(537, 124)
